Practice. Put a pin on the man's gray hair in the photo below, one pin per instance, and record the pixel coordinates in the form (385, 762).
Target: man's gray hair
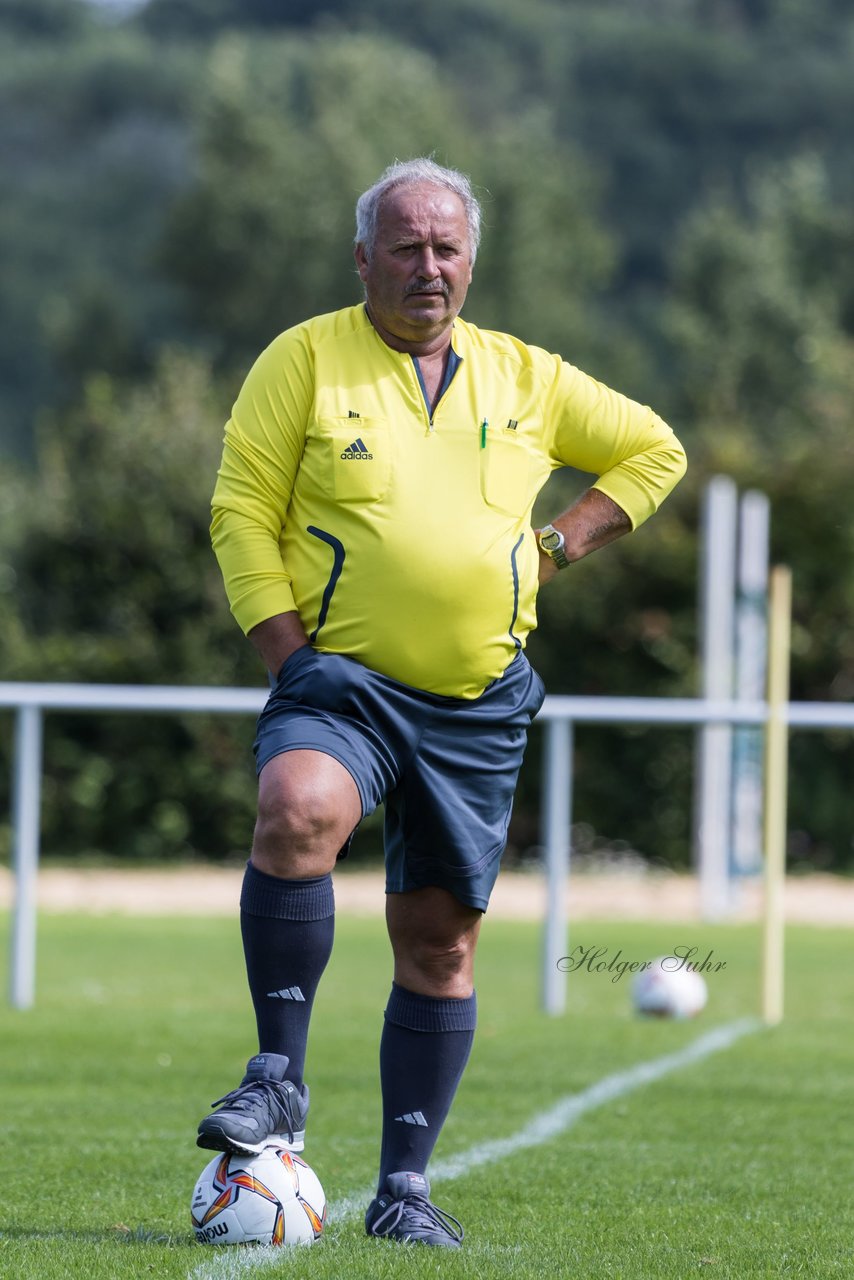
(407, 173)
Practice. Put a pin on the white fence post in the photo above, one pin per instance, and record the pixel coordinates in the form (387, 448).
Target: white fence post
(557, 814)
(714, 748)
(26, 804)
(751, 646)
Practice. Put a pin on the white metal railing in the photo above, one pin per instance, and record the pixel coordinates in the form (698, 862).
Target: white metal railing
(559, 714)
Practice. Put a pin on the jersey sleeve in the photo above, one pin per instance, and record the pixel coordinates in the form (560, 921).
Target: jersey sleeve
(264, 441)
(634, 453)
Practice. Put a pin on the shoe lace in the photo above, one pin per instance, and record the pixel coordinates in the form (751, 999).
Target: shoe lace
(420, 1212)
(246, 1097)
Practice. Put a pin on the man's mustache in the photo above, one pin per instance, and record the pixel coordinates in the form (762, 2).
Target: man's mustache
(424, 286)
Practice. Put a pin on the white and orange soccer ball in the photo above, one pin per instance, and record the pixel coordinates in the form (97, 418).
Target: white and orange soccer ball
(271, 1198)
(667, 989)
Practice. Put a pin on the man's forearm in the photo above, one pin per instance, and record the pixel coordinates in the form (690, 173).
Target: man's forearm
(591, 522)
(277, 638)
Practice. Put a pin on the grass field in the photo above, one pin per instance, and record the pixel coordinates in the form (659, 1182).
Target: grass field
(737, 1166)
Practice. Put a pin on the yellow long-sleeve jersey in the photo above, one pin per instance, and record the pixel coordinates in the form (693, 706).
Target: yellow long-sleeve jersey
(404, 539)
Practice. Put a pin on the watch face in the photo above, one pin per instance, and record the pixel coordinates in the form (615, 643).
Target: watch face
(550, 541)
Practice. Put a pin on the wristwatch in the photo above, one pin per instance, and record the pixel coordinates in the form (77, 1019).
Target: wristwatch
(552, 541)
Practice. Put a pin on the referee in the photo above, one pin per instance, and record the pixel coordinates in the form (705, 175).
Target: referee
(372, 520)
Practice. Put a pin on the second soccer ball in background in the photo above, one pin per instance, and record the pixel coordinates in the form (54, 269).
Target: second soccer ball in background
(666, 989)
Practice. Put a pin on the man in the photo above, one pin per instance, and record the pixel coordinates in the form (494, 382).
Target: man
(372, 521)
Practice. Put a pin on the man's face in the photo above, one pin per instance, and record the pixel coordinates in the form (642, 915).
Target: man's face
(419, 270)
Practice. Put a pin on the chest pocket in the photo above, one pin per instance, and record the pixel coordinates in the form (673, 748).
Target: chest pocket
(504, 474)
(357, 457)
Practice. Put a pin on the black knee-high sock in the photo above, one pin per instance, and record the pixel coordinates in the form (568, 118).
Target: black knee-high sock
(287, 928)
(423, 1052)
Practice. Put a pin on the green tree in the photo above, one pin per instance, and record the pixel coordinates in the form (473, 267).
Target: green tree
(115, 582)
(762, 324)
(94, 144)
(263, 238)
(48, 20)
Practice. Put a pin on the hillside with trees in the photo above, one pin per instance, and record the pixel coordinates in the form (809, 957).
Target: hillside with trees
(668, 203)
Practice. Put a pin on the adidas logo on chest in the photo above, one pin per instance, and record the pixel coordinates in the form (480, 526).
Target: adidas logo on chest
(356, 452)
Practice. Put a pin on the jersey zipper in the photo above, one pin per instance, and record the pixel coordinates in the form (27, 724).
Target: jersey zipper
(421, 392)
(429, 415)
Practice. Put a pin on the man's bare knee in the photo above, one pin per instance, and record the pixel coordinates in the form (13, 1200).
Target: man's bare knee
(306, 813)
(294, 843)
(303, 832)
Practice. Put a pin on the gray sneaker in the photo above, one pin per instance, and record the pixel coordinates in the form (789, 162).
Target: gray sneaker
(404, 1212)
(265, 1110)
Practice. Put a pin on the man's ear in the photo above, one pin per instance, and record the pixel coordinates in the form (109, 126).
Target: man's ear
(361, 260)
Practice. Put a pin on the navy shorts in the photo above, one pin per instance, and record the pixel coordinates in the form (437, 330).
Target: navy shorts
(445, 767)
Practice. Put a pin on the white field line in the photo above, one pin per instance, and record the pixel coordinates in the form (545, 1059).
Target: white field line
(542, 1128)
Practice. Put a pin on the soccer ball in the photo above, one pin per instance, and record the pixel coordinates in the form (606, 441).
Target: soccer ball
(271, 1198)
(666, 989)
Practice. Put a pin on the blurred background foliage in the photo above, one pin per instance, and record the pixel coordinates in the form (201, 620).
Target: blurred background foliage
(668, 202)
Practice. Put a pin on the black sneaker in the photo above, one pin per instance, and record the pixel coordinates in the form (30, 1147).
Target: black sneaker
(265, 1110)
(404, 1212)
